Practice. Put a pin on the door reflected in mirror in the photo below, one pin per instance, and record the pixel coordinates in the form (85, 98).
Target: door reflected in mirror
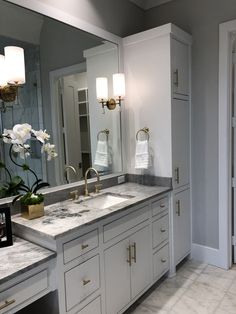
(59, 95)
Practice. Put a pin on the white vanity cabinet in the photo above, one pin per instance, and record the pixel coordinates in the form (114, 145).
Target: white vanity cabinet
(157, 66)
(127, 269)
(181, 225)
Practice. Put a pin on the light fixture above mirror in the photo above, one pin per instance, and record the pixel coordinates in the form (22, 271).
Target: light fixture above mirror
(118, 91)
(12, 73)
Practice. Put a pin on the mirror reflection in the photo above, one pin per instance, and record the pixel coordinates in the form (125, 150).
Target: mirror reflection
(59, 95)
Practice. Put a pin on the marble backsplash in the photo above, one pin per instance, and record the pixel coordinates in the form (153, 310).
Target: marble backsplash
(61, 193)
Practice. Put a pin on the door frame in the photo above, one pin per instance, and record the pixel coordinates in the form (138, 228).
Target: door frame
(225, 124)
(53, 77)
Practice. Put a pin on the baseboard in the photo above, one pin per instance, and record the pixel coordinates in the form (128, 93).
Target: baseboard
(206, 255)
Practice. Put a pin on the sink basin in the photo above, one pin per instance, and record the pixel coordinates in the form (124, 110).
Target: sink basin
(105, 200)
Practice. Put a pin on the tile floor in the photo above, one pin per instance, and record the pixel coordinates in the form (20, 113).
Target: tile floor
(197, 288)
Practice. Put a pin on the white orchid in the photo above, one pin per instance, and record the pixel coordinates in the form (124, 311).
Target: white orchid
(50, 150)
(18, 135)
(22, 150)
(41, 135)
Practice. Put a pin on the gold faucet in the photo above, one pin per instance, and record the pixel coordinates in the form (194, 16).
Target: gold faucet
(97, 186)
(69, 168)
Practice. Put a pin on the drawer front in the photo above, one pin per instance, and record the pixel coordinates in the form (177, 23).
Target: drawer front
(160, 206)
(80, 246)
(123, 224)
(81, 281)
(161, 262)
(23, 291)
(160, 231)
(92, 308)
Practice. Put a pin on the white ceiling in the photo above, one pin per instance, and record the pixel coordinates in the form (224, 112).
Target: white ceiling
(148, 4)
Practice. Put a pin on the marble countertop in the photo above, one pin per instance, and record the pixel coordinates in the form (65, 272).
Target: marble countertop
(21, 257)
(68, 216)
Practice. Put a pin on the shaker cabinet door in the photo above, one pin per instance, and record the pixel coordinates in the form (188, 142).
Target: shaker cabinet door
(117, 277)
(180, 143)
(182, 225)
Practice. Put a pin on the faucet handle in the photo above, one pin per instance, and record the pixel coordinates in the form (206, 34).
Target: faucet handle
(74, 195)
(98, 187)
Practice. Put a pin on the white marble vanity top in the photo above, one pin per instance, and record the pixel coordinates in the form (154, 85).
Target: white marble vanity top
(68, 216)
(21, 257)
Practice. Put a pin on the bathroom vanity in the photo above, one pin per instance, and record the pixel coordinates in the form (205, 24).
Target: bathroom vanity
(107, 257)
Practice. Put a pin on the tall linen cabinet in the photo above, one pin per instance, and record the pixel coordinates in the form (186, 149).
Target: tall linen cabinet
(157, 66)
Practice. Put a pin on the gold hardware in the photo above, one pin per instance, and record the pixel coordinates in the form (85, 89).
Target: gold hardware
(129, 255)
(85, 282)
(86, 192)
(84, 246)
(163, 230)
(178, 207)
(163, 260)
(162, 205)
(176, 78)
(69, 168)
(7, 303)
(145, 130)
(111, 103)
(135, 255)
(8, 93)
(97, 188)
(106, 131)
(74, 195)
(177, 175)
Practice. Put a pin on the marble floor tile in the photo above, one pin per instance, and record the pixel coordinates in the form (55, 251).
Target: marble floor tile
(196, 289)
(227, 305)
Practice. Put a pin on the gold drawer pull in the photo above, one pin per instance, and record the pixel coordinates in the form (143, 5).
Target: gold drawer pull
(163, 260)
(163, 230)
(84, 246)
(129, 255)
(135, 255)
(162, 205)
(85, 282)
(178, 207)
(7, 303)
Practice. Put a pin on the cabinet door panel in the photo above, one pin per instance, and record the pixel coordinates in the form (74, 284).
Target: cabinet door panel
(182, 225)
(180, 66)
(141, 261)
(117, 277)
(180, 142)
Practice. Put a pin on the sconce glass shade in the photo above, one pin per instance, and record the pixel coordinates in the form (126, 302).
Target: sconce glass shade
(102, 88)
(3, 80)
(119, 85)
(15, 65)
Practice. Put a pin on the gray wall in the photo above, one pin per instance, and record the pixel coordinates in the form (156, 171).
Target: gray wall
(201, 18)
(120, 17)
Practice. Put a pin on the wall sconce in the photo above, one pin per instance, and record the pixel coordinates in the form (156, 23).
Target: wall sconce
(118, 91)
(12, 73)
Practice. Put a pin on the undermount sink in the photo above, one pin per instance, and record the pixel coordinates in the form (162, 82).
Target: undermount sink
(105, 200)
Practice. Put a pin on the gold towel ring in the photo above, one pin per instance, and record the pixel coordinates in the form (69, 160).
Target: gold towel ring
(145, 130)
(106, 131)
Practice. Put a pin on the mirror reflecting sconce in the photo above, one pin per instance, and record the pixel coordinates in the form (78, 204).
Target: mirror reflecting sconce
(118, 91)
(12, 73)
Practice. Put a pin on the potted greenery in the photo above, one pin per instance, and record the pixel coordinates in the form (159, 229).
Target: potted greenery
(30, 199)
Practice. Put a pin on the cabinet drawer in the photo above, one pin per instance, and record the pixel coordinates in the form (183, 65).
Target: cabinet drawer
(81, 281)
(80, 246)
(160, 206)
(92, 308)
(23, 291)
(124, 223)
(161, 262)
(160, 231)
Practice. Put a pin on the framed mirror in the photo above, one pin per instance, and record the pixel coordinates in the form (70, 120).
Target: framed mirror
(62, 63)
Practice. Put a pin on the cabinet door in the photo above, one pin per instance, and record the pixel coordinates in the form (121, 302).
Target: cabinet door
(180, 142)
(180, 68)
(141, 261)
(182, 225)
(117, 277)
